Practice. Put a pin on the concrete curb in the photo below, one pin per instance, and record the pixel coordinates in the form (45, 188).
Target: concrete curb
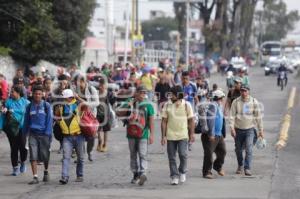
(286, 122)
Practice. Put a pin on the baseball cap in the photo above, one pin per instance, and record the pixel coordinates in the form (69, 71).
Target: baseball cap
(245, 87)
(218, 94)
(141, 88)
(67, 93)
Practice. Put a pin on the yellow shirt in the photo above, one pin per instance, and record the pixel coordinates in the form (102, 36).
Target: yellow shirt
(147, 81)
(177, 115)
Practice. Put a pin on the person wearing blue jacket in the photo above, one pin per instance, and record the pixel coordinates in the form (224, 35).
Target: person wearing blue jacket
(16, 106)
(213, 139)
(38, 126)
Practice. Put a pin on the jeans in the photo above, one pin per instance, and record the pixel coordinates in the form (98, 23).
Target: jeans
(70, 142)
(244, 138)
(172, 147)
(17, 145)
(138, 155)
(218, 147)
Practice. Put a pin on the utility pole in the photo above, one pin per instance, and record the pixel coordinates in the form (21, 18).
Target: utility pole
(133, 31)
(187, 45)
(110, 30)
(126, 34)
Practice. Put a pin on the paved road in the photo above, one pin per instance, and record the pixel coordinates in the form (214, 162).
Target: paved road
(109, 175)
(286, 180)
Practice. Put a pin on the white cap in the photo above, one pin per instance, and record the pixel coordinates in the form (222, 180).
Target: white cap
(67, 93)
(218, 94)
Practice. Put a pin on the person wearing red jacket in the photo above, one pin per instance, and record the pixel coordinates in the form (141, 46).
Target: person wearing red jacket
(4, 90)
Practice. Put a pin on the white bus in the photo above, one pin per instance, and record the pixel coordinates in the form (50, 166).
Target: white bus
(270, 49)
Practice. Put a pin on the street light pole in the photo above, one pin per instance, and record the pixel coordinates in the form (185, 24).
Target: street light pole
(127, 35)
(133, 32)
(187, 45)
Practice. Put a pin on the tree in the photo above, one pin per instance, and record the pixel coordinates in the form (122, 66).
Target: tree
(72, 18)
(241, 25)
(44, 29)
(277, 20)
(159, 28)
(209, 31)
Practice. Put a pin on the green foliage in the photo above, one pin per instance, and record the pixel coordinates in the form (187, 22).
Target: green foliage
(278, 21)
(45, 29)
(159, 28)
(4, 51)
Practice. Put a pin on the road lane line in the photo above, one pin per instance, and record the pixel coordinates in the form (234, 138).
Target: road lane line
(286, 122)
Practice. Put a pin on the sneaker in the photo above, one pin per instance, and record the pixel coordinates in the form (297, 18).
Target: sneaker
(135, 179)
(16, 171)
(79, 179)
(46, 177)
(63, 181)
(23, 167)
(182, 177)
(248, 172)
(90, 158)
(174, 181)
(34, 181)
(143, 179)
(239, 170)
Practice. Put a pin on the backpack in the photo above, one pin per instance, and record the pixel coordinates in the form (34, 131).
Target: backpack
(11, 126)
(201, 119)
(137, 122)
(88, 122)
(102, 112)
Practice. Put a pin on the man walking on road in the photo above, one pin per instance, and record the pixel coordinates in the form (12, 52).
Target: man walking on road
(38, 122)
(190, 93)
(213, 139)
(177, 130)
(244, 115)
(73, 139)
(139, 117)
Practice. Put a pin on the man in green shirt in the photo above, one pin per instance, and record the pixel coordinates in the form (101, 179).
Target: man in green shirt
(138, 145)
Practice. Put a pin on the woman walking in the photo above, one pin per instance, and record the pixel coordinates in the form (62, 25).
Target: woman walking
(15, 108)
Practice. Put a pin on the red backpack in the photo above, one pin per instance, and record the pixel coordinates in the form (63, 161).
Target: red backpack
(88, 122)
(136, 122)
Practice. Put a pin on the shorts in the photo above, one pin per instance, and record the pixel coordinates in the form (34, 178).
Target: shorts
(105, 128)
(39, 147)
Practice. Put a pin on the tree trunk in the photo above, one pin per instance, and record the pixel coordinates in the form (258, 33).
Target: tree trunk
(180, 14)
(221, 19)
(235, 27)
(248, 10)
